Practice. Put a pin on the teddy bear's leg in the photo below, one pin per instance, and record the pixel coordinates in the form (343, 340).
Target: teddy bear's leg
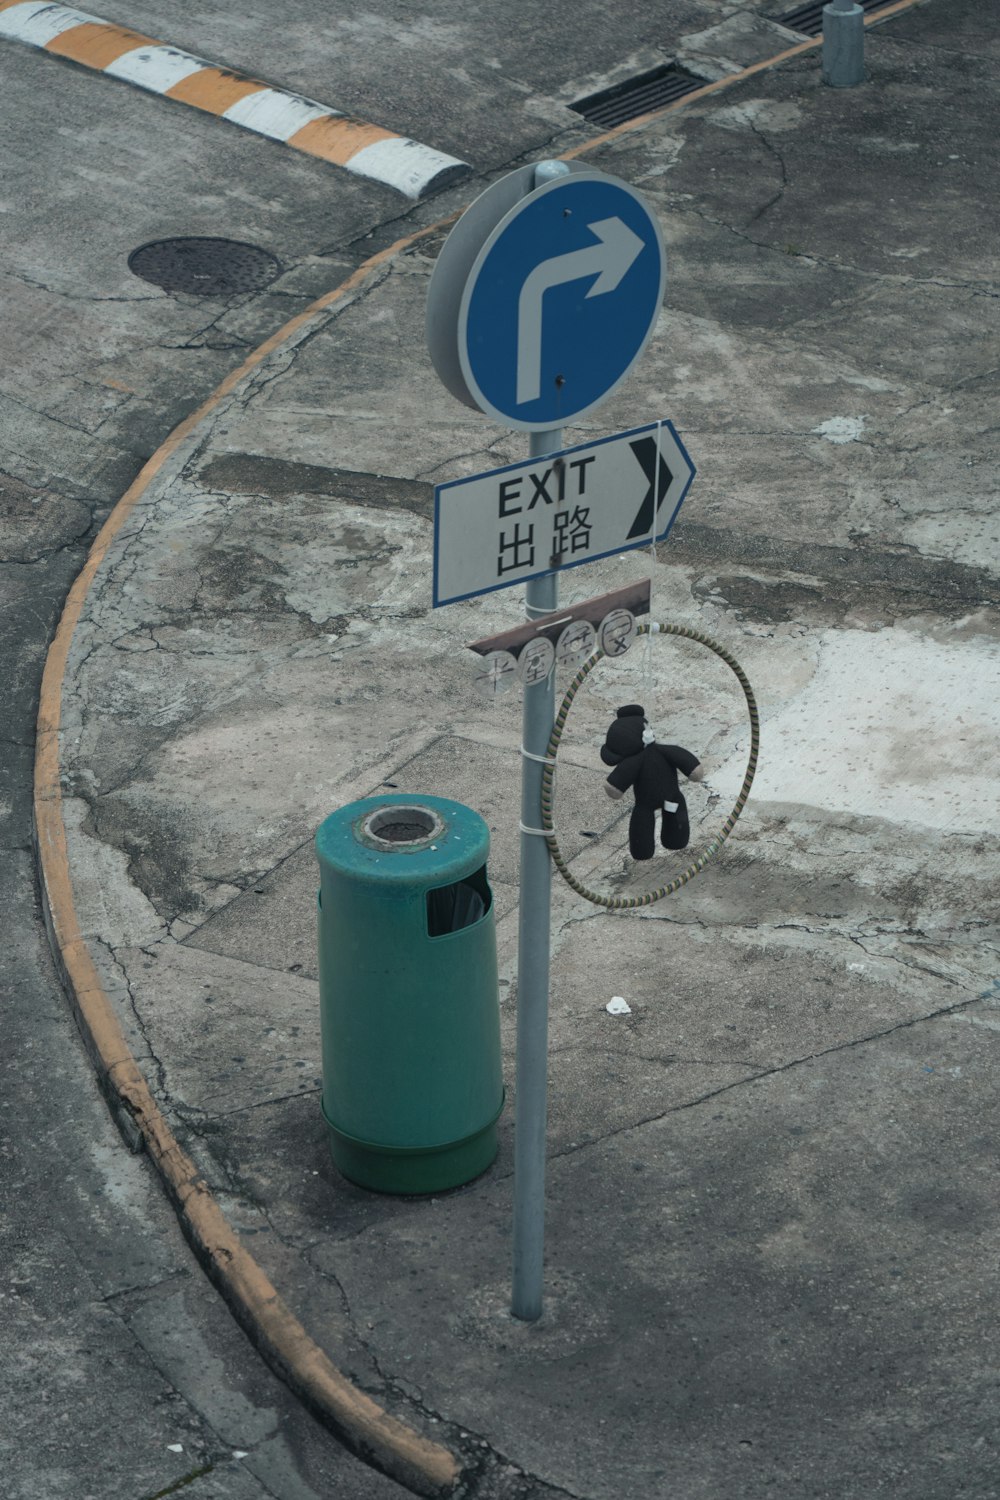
(642, 832)
(675, 828)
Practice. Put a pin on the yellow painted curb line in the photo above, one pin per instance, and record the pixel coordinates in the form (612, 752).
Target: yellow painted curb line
(427, 1467)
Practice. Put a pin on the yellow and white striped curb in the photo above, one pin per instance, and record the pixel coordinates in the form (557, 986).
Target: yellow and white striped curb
(367, 150)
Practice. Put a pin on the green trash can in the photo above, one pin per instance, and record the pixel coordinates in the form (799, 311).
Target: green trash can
(409, 1008)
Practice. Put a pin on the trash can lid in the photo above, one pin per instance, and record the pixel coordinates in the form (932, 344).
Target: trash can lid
(406, 838)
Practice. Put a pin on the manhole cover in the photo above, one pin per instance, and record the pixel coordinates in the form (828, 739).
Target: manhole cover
(204, 267)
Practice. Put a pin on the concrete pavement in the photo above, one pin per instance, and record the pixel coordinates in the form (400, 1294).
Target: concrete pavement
(771, 1187)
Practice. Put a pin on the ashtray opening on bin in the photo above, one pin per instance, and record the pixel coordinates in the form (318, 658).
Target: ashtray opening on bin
(398, 827)
(452, 907)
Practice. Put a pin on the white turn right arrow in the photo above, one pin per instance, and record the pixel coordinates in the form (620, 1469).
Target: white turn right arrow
(608, 261)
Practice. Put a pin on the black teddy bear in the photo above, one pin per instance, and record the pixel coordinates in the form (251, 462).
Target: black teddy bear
(651, 771)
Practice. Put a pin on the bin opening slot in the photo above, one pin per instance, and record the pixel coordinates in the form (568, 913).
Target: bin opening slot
(403, 825)
(452, 907)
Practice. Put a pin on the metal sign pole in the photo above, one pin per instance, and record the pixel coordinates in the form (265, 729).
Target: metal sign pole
(497, 339)
(531, 1108)
(533, 940)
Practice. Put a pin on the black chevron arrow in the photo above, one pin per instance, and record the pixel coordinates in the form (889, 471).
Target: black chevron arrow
(645, 451)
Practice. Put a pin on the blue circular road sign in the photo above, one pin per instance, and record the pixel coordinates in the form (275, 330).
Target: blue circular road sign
(561, 300)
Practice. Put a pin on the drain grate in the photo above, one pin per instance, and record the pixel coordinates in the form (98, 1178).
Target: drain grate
(637, 96)
(204, 267)
(809, 18)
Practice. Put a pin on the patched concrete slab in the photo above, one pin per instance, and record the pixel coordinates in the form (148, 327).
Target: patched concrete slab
(737, 42)
(272, 924)
(33, 519)
(764, 998)
(229, 1041)
(878, 689)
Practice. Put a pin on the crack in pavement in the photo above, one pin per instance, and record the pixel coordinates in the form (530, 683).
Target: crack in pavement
(485, 1463)
(234, 1184)
(783, 184)
(115, 1305)
(681, 206)
(160, 1068)
(772, 1072)
(896, 39)
(241, 1109)
(283, 360)
(179, 1277)
(79, 296)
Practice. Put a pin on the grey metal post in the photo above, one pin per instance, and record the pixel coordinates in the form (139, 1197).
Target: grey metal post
(534, 926)
(531, 1108)
(843, 44)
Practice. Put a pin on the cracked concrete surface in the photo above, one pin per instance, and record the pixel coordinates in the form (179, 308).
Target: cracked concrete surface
(772, 1186)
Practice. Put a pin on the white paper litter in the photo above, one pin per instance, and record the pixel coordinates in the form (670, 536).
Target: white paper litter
(175, 1447)
(239, 1453)
(618, 1006)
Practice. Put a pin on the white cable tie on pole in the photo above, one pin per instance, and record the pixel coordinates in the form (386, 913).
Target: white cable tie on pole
(543, 760)
(543, 833)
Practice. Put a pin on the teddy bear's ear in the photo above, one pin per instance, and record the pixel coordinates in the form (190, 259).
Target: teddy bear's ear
(631, 710)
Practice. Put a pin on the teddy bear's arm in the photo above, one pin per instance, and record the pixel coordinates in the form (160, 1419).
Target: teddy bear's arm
(684, 761)
(623, 776)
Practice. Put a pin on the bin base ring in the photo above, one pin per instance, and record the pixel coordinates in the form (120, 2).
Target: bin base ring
(413, 1170)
